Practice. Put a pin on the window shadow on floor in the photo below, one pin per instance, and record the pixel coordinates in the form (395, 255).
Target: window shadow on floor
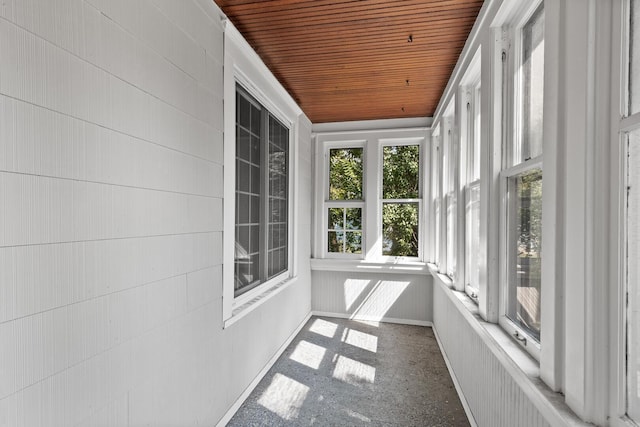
(339, 372)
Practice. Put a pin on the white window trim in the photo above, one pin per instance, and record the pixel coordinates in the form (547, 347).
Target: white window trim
(372, 141)
(243, 66)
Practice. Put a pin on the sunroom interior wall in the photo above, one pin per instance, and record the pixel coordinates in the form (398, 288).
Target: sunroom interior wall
(111, 194)
(402, 298)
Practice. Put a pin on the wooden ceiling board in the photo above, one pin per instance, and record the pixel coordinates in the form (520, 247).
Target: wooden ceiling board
(345, 60)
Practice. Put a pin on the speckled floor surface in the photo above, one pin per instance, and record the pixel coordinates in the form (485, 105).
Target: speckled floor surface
(339, 372)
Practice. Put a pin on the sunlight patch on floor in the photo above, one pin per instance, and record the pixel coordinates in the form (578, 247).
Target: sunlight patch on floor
(353, 372)
(308, 354)
(360, 339)
(284, 397)
(324, 328)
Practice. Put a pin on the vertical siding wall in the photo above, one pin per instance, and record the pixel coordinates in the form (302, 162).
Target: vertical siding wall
(493, 396)
(111, 219)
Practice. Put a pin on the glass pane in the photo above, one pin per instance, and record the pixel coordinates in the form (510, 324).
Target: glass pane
(473, 237)
(353, 242)
(435, 193)
(475, 167)
(525, 250)
(400, 229)
(261, 237)
(451, 229)
(353, 219)
(345, 174)
(247, 235)
(336, 242)
(532, 86)
(400, 172)
(345, 235)
(278, 197)
(634, 57)
(336, 219)
(633, 277)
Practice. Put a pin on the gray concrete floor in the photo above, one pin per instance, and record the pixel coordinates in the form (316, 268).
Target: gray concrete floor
(339, 372)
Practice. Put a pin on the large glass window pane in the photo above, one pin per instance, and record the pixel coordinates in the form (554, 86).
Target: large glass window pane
(345, 174)
(262, 195)
(400, 229)
(278, 197)
(633, 277)
(473, 237)
(451, 220)
(525, 250)
(400, 170)
(532, 86)
(436, 178)
(475, 160)
(247, 255)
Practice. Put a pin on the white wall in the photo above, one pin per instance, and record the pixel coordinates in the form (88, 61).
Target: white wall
(403, 298)
(111, 219)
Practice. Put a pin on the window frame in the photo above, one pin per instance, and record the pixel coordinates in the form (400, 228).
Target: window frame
(255, 290)
(470, 140)
(512, 116)
(450, 183)
(420, 142)
(436, 196)
(372, 142)
(244, 67)
(327, 203)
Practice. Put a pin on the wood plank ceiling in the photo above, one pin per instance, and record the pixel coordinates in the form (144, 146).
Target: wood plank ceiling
(345, 60)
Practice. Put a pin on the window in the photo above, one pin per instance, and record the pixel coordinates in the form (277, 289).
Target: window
(261, 196)
(369, 196)
(400, 200)
(471, 142)
(344, 204)
(450, 217)
(523, 76)
(436, 182)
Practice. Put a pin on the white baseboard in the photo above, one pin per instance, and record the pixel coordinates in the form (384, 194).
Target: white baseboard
(232, 410)
(373, 318)
(463, 399)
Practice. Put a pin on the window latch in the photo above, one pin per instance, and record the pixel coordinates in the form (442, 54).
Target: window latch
(520, 338)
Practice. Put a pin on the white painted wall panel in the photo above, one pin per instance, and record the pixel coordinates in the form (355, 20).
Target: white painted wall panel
(111, 187)
(374, 296)
(493, 395)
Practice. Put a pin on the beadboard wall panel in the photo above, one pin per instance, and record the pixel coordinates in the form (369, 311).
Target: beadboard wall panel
(373, 296)
(111, 195)
(492, 394)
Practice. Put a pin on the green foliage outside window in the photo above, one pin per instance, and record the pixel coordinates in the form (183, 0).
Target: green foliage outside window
(345, 174)
(400, 180)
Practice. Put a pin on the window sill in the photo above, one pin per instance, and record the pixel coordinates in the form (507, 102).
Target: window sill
(242, 310)
(397, 267)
